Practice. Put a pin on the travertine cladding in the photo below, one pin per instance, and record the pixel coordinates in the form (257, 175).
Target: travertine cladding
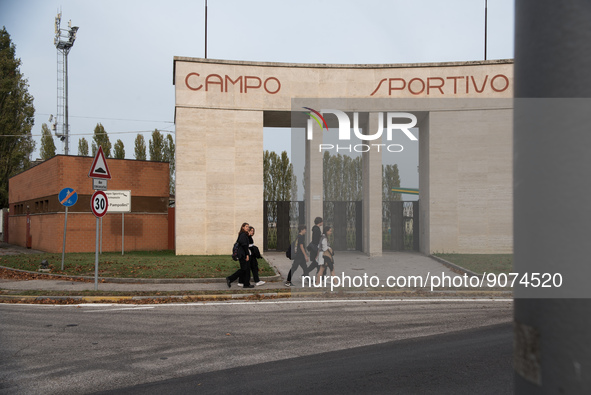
(271, 86)
(467, 177)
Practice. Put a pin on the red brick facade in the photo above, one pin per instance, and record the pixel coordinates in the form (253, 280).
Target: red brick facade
(35, 191)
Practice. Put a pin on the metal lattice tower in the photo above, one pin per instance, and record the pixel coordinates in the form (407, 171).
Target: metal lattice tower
(64, 40)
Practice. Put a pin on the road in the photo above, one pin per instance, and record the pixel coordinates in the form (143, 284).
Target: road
(372, 346)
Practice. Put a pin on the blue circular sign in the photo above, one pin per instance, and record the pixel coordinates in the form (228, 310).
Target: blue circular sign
(68, 197)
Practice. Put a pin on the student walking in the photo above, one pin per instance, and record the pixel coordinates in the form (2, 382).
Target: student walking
(325, 255)
(301, 257)
(244, 258)
(314, 244)
(255, 254)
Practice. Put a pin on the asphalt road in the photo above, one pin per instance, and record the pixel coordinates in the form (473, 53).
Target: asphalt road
(374, 346)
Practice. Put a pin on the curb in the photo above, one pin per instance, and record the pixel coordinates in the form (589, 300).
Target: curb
(118, 280)
(120, 299)
(455, 267)
(401, 294)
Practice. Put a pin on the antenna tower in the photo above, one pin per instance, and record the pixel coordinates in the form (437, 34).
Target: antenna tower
(64, 41)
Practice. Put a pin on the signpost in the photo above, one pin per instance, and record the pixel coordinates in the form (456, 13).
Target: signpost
(67, 197)
(99, 203)
(120, 202)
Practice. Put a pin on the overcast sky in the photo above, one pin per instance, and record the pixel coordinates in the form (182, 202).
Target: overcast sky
(120, 68)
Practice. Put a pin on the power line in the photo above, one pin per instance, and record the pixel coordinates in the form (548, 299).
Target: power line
(91, 133)
(114, 119)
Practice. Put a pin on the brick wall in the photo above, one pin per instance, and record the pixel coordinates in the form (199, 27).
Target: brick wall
(146, 227)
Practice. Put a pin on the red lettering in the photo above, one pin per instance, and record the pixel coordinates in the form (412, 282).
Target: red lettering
(410, 86)
(492, 85)
(228, 81)
(246, 86)
(483, 84)
(394, 88)
(278, 85)
(220, 82)
(455, 83)
(187, 82)
(380, 84)
(429, 86)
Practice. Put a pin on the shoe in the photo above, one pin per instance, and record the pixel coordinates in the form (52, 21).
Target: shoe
(240, 284)
(260, 283)
(228, 282)
(249, 286)
(288, 284)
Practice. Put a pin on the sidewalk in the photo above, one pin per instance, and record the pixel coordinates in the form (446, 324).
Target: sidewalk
(349, 263)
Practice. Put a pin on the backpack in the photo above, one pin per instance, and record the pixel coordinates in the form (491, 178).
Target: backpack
(235, 250)
(291, 248)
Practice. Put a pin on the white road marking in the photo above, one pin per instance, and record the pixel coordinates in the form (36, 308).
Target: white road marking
(274, 302)
(121, 308)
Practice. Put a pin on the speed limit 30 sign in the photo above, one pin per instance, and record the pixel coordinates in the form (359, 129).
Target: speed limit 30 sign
(99, 204)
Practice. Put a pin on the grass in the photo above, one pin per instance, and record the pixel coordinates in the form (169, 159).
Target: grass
(480, 263)
(135, 264)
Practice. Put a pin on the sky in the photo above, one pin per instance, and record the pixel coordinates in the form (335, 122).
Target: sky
(120, 68)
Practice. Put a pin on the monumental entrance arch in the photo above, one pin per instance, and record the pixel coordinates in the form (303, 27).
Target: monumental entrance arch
(464, 116)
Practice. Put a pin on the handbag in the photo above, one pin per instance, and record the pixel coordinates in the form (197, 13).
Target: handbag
(313, 248)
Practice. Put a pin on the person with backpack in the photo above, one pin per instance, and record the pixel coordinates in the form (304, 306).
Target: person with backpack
(255, 254)
(325, 255)
(243, 255)
(300, 256)
(314, 245)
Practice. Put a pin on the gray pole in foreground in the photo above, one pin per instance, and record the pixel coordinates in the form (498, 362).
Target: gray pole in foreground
(552, 225)
(96, 256)
(64, 243)
(122, 233)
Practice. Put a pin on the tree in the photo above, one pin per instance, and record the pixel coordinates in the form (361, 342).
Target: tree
(169, 156)
(140, 148)
(278, 179)
(47, 144)
(82, 147)
(119, 150)
(16, 117)
(342, 178)
(101, 138)
(156, 146)
(390, 179)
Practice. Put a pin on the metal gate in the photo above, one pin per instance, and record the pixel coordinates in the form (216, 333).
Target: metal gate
(282, 220)
(400, 226)
(280, 225)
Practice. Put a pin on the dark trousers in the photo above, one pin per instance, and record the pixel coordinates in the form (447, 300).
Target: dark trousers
(254, 266)
(298, 261)
(314, 264)
(243, 273)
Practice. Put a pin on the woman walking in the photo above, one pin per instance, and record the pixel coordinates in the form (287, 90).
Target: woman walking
(325, 255)
(255, 253)
(243, 257)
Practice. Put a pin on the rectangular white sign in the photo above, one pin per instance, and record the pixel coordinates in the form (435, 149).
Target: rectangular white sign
(99, 184)
(119, 201)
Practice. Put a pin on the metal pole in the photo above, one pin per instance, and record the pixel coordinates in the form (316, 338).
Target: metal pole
(551, 229)
(64, 243)
(485, 25)
(66, 133)
(96, 254)
(101, 246)
(205, 29)
(122, 233)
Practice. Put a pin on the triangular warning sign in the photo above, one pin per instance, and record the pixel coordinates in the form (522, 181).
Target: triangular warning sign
(99, 168)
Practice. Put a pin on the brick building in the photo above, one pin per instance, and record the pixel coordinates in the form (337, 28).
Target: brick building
(34, 194)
